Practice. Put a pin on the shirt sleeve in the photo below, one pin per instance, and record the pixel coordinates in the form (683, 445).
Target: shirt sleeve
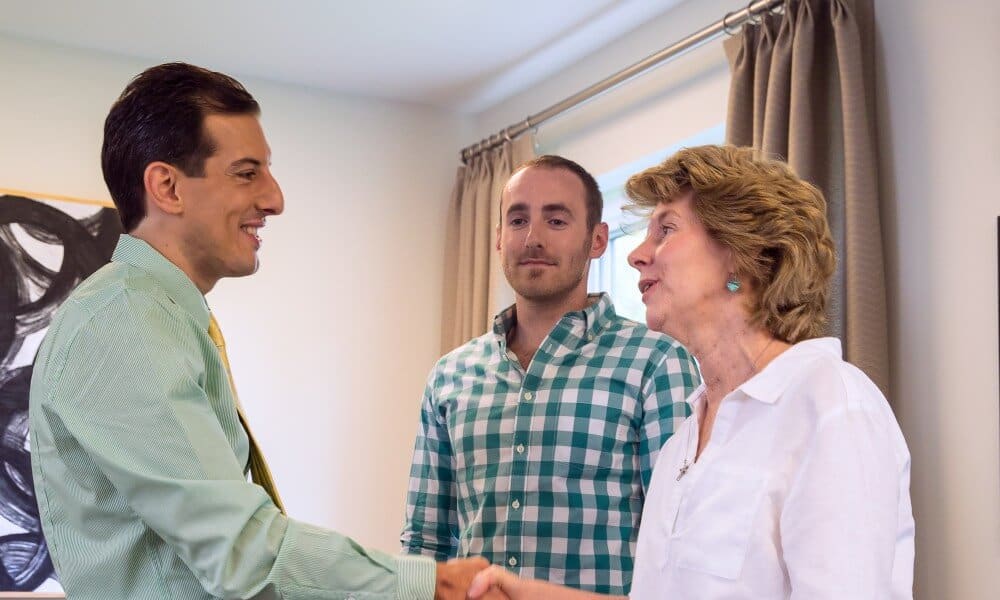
(431, 518)
(841, 519)
(664, 403)
(131, 393)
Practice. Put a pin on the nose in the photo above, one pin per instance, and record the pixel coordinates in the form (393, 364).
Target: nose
(640, 257)
(533, 238)
(272, 200)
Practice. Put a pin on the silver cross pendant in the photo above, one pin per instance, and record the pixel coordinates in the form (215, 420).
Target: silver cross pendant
(684, 470)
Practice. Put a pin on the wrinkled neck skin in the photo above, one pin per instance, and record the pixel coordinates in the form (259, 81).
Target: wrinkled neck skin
(726, 347)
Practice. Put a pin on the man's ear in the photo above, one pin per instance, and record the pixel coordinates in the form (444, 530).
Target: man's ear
(598, 240)
(160, 180)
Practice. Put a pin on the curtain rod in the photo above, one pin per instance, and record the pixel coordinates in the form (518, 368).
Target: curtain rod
(726, 25)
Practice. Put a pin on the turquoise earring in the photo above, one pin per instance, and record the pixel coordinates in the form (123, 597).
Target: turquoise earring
(733, 285)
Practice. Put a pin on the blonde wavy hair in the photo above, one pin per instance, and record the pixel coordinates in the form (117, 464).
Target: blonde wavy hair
(773, 222)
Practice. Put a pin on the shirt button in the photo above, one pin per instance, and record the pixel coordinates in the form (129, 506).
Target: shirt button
(512, 561)
(590, 336)
(520, 448)
(515, 504)
(528, 396)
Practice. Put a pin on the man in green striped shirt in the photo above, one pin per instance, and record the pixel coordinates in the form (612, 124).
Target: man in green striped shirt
(139, 454)
(537, 440)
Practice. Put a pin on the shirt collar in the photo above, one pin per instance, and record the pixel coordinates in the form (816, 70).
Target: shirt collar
(600, 311)
(177, 285)
(695, 399)
(768, 385)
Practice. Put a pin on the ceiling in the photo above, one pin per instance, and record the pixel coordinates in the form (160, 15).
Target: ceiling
(461, 55)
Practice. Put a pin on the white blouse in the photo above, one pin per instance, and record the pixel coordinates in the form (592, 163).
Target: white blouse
(802, 492)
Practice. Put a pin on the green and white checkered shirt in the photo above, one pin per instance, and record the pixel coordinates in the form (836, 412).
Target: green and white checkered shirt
(544, 470)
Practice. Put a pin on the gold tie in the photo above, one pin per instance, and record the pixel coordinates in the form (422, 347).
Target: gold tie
(259, 472)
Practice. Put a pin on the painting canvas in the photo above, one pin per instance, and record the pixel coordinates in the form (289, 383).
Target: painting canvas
(47, 247)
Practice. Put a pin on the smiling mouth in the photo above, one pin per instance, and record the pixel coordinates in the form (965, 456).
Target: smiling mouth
(645, 285)
(252, 232)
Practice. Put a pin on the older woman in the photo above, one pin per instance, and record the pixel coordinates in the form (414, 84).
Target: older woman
(791, 478)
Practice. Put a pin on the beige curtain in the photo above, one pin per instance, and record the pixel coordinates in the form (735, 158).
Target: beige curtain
(474, 285)
(802, 90)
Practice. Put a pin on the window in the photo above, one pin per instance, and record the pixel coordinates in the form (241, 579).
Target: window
(611, 273)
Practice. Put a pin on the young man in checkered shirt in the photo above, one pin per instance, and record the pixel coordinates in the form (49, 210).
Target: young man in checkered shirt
(537, 440)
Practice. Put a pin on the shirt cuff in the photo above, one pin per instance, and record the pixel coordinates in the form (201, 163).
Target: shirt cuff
(416, 577)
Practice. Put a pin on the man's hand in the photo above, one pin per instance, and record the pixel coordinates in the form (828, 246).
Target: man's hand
(494, 579)
(454, 577)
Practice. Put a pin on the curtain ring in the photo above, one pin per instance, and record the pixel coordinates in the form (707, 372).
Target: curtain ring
(506, 136)
(750, 15)
(725, 26)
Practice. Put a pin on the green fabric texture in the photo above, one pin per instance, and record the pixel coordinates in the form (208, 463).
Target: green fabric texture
(139, 459)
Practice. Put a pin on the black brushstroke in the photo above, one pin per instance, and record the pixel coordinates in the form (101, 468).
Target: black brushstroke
(87, 245)
(25, 556)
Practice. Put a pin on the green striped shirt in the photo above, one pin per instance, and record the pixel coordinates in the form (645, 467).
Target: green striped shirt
(544, 469)
(139, 459)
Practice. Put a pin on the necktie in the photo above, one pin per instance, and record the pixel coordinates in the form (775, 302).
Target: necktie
(259, 472)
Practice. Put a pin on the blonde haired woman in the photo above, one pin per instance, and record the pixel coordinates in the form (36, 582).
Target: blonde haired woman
(791, 478)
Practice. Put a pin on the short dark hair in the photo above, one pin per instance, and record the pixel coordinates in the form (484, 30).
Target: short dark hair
(160, 117)
(592, 192)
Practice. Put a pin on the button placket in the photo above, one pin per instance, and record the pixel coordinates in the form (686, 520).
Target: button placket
(526, 399)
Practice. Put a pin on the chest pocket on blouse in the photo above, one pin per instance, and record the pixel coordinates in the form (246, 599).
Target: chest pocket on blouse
(716, 518)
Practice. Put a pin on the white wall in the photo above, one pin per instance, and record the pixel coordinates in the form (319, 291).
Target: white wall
(938, 93)
(672, 103)
(332, 339)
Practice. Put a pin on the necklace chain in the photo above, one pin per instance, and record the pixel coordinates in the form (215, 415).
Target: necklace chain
(753, 365)
(687, 446)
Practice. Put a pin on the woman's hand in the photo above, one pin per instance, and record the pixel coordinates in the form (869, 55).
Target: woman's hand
(499, 578)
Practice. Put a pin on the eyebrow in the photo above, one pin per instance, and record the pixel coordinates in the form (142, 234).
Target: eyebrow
(551, 207)
(245, 161)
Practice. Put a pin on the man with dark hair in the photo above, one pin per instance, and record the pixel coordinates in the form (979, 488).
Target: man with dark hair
(139, 446)
(537, 440)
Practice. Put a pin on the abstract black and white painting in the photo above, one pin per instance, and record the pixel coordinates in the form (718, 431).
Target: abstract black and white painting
(47, 247)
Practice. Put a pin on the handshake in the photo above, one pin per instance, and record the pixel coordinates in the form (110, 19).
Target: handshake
(471, 578)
